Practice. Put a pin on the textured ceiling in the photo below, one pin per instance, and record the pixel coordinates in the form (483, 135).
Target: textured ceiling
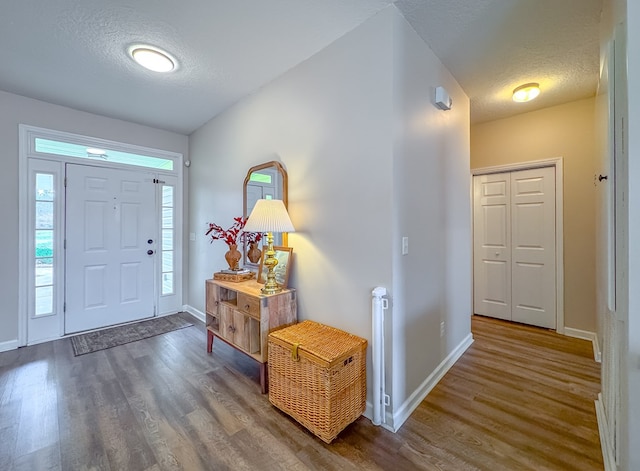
(492, 46)
(72, 52)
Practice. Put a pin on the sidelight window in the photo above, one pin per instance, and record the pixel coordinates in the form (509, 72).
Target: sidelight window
(44, 237)
(168, 239)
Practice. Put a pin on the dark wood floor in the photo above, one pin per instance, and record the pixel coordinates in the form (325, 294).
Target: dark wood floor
(519, 399)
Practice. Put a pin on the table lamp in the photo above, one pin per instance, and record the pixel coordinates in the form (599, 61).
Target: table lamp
(269, 216)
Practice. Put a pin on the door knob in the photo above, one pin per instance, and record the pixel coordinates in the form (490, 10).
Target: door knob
(149, 252)
(150, 241)
(497, 254)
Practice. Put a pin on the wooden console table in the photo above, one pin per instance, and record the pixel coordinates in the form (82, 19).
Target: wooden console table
(242, 316)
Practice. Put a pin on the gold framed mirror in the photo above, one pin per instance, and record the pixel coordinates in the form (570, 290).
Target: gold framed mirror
(265, 181)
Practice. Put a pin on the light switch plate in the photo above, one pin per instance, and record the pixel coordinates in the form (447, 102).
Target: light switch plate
(405, 245)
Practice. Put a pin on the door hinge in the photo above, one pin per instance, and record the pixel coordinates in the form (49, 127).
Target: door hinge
(64, 244)
(155, 180)
(65, 182)
(64, 307)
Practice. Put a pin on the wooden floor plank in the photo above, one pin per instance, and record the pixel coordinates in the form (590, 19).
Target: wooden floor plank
(520, 398)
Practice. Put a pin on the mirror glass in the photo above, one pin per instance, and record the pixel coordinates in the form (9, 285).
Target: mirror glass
(264, 181)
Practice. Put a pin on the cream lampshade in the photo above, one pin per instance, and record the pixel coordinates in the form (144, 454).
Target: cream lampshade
(269, 216)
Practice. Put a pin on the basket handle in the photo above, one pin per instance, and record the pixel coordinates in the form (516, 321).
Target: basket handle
(294, 352)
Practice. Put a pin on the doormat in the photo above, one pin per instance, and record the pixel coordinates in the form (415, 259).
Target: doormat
(120, 335)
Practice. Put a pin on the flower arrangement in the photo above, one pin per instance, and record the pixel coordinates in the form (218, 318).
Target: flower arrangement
(232, 235)
(252, 237)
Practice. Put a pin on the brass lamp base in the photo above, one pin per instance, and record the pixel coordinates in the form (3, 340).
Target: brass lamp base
(271, 286)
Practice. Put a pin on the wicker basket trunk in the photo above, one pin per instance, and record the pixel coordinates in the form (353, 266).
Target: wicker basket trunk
(317, 375)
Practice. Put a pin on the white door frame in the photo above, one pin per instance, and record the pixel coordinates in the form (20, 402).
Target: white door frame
(557, 163)
(27, 151)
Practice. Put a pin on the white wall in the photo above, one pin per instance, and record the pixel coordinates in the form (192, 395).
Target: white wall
(369, 159)
(328, 121)
(631, 390)
(432, 284)
(16, 110)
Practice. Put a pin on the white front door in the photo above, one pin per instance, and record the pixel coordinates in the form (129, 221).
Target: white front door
(111, 230)
(514, 246)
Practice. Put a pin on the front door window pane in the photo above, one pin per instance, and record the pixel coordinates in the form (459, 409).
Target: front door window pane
(44, 300)
(168, 235)
(44, 187)
(44, 215)
(44, 237)
(68, 149)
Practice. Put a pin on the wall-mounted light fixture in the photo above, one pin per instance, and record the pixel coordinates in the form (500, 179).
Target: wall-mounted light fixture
(526, 92)
(152, 58)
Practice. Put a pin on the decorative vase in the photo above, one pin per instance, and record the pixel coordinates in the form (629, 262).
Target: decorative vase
(254, 252)
(233, 257)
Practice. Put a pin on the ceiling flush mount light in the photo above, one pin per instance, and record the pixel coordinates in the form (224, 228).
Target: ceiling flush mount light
(526, 92)
(152, 58)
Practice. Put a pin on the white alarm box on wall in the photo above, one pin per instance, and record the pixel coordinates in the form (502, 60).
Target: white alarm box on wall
(443, 100)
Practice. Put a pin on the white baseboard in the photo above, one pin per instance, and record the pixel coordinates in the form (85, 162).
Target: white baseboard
(608, 454)
(425, 388)
(368, 413)
(586, 335)
(8, 345)
(194, 312)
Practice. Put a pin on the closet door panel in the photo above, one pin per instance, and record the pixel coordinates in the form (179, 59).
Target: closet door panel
(533, 273)
(492, 251)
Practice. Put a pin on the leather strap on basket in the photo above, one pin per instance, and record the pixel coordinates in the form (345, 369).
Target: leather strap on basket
(294, 352)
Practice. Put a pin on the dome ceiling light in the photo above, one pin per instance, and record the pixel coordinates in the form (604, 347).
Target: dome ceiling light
(152, 58)
(526, 92)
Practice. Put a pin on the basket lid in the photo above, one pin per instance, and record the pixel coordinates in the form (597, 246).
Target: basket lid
(323, 342)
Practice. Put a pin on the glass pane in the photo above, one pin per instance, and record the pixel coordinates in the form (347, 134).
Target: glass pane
(167, 218)
(167, 261)
(167, 283)
(260, 177)
(167, 196)
(44, 271)
(167, 239)
(68, 149)
(44, 300)
(44, 243)
(44, 187)
(44, 215)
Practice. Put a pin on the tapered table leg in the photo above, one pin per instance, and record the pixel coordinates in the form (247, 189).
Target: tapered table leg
(263, 378)
(209, 341)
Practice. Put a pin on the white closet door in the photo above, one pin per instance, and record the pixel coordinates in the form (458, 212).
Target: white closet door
(514, 246)
(533, 229)
(492, 249)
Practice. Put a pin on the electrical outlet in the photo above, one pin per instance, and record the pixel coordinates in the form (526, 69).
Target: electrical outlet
(405, 245)
(442, 329)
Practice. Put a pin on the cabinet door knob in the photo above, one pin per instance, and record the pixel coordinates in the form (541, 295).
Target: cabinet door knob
(246, 307)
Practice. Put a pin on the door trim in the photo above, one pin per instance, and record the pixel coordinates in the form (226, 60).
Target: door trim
(558, 164)
(26, 152)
